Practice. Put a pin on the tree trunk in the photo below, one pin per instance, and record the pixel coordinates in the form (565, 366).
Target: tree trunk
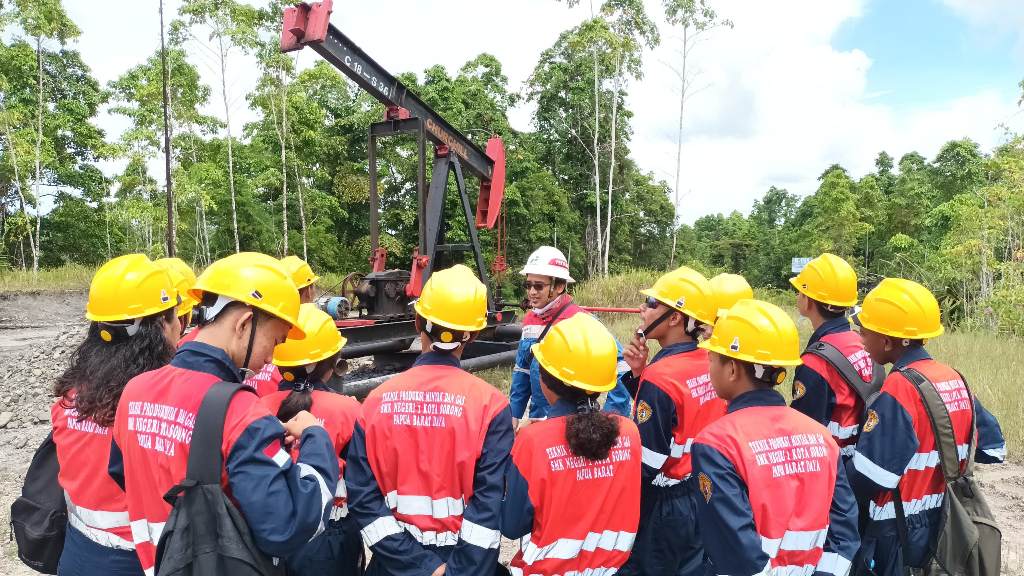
(302, 203)
(39, 149)
(231, 156)
(611, 166)
(172, 235)
(21, 195)
(282, 130)
(679, 148)
(597, 162)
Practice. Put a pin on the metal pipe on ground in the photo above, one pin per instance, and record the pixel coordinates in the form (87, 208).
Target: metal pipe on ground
(361, 388)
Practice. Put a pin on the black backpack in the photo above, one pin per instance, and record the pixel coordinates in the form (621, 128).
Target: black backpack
(205, 534)
(867, 391)
(39, 517)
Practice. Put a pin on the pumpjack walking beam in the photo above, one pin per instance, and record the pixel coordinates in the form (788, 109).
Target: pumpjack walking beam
(308, 25)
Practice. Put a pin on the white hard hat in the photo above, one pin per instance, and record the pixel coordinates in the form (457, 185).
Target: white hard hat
(548, 261)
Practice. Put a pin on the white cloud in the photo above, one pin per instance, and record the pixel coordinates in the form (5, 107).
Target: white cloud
(993, 18)
(781, 104)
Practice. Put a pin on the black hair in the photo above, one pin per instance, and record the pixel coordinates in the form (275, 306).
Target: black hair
(828, 311)
(590, 433)
(301, 396)
(99, 369)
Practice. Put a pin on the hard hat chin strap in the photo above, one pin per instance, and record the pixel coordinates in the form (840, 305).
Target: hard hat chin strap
(252, 340)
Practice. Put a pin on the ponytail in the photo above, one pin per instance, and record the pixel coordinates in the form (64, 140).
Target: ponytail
(303, 378)
(589, 432)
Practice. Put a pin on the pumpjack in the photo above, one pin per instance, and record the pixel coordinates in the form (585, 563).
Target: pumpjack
(375, 312)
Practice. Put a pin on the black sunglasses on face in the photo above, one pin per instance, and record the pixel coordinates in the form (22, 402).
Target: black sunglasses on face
(538, 286)
(652, 302)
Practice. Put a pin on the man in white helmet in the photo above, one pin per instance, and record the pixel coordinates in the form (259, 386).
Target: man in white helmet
(547, 277)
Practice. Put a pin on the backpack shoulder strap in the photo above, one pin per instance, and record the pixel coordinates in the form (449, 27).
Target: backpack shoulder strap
(849, 374)
(554, 318)
(204, 457)
(941, 423)
(972, 439)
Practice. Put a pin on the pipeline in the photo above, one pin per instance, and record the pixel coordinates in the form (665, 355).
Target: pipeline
(607, 309)
(360, 388)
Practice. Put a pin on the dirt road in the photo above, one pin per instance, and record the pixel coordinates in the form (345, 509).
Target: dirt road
(39, 331)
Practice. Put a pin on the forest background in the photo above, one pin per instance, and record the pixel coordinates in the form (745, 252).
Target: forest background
(293, 180)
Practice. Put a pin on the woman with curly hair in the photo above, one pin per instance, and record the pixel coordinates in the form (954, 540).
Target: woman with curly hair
(573, 486)
(132, 330)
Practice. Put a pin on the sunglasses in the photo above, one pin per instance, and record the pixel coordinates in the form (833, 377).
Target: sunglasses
(538, 286)
(652, 302)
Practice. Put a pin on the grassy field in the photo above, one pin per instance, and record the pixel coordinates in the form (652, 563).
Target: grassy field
(990, 363)
(69, 277)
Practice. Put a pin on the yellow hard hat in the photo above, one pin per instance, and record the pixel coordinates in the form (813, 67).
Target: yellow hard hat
(828, 279)
(580, 352)
(299, 270)
(687, 291)
(730, 289)
(184, 279)
(757, 332)
(322, 339)
(129, 287)
(257, 280)
(454, 298)
(902, 309)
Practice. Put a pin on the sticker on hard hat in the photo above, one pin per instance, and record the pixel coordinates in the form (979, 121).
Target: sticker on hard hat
(558, 262)
(256, 294)
(735, 346)
(705, 486)
(681, 303)
(164, 298)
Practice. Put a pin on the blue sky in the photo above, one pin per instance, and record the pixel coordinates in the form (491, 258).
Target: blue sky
(923, 52)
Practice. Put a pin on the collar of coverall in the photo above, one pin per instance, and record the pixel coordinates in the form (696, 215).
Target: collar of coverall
(759, 397)
(556, 304)
(433, 358)
(913, 354)
(833, 326)
(202, 357)
(673, 349)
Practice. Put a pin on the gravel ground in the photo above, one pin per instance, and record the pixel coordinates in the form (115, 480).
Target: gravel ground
(39, 331)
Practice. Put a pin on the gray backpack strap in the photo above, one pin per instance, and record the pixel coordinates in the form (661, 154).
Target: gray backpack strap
(942, 426)
(866, 390)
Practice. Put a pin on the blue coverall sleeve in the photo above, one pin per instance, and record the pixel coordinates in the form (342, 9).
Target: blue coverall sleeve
(991, 444)
(726, 520)
(517, 509)
(618, 399)
(843, 539)
(655, 418)
(521, 388)
(538, 402)
(818, 400)
(286, 504)
(115, 465)
(394, 548)
(477, 548)
(884, 449)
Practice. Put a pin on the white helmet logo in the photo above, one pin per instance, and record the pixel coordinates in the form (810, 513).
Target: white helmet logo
(735, 346)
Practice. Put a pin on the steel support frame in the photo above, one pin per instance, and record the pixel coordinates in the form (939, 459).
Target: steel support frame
(431, 213)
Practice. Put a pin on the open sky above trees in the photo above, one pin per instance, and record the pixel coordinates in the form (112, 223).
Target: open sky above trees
(885, 134)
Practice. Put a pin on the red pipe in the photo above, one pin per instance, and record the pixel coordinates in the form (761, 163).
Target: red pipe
(605, 309)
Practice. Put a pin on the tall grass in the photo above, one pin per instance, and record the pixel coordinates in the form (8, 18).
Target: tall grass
(990, 362)
(67, 277)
